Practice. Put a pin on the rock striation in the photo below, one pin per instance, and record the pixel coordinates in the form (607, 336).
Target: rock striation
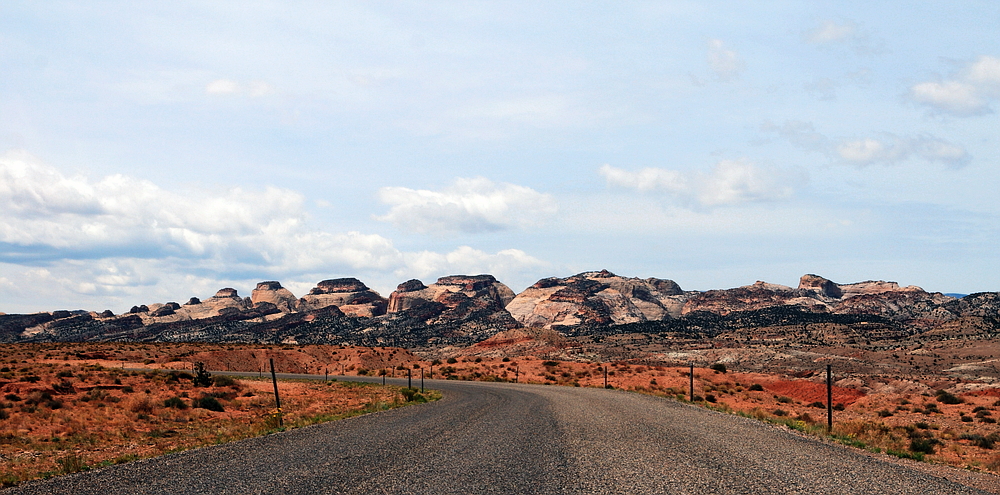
(596, 298)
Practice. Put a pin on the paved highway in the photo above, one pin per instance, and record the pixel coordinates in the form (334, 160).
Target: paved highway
(486, 438)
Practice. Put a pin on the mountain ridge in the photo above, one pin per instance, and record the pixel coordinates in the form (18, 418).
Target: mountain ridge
(465, 309)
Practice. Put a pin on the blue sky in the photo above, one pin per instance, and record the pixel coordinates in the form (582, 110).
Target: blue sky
(157, 151)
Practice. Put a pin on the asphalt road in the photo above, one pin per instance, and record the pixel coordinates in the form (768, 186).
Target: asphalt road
(508, 438)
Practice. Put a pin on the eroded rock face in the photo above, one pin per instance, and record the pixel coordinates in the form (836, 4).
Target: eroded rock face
(272, 292)
(601, 298)
(452, 299)
(350, 295)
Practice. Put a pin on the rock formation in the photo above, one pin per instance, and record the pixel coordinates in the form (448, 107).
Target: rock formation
(350, 295)
(600, 298)
(272, 292)
(454, 299)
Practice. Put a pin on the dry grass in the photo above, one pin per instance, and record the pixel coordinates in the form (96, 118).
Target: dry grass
(62, 418)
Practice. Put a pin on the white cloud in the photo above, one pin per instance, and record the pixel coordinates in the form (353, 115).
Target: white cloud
(468, 205)
(969, 92)
(885, 148)
(730, 182)
(891, 149)
(112, 237)
(727, 64)
(253, 89)
(831, 32)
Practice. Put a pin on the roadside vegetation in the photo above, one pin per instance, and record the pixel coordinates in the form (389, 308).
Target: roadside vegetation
(59, 418)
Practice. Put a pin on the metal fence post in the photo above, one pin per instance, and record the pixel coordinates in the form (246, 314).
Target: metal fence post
(829, 399)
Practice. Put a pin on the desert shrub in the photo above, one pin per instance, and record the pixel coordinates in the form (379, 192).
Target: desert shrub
(31, 378)
(362, 372)
(979, 408)
(175, 402)
(780, 412)
(452, 360)
(817, 404)
(838, 407)
(36, 398)
(63, 387)
(95, 394)
(72, 464)
(64, 374)
(4, 414)
(710, 398)
(478, 360)
(885, 413)
(982, 413)
(948, 398)
(965, 419)
(986, 442)
(127, 389)
(12, 397)
(805, 417)
(756, 387)
(718, 367)
(922, 425)
(412, 395)
(987, 420)
(224, 381)
(141, 405)
(921, 441)
(208, 402)
(550, 363)
(202, 378)
(505, 360)
(784, 400)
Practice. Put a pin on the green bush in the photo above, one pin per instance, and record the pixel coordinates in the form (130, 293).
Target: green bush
(412, 395)
(210, 403)
(756, 387)
(721, 368)
(175, 402)
(452, 360)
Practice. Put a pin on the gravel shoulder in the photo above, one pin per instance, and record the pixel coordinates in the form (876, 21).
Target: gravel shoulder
(508, 438)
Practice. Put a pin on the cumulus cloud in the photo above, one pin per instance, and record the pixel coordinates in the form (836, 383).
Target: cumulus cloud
(884, 148)
(228, 87)
(725, 63)
(729, 182)
(468, 205)
(968, 92)
(117, 233)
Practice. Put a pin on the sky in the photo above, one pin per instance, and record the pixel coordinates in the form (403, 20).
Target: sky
(155, 151)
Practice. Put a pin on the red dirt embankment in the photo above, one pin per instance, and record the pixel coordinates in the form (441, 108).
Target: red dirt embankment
(807, 391)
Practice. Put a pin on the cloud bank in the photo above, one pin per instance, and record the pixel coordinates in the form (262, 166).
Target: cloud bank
(730, 182)
(118, 233)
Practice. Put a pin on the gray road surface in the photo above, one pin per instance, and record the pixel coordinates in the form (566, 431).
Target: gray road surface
(508, 438)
